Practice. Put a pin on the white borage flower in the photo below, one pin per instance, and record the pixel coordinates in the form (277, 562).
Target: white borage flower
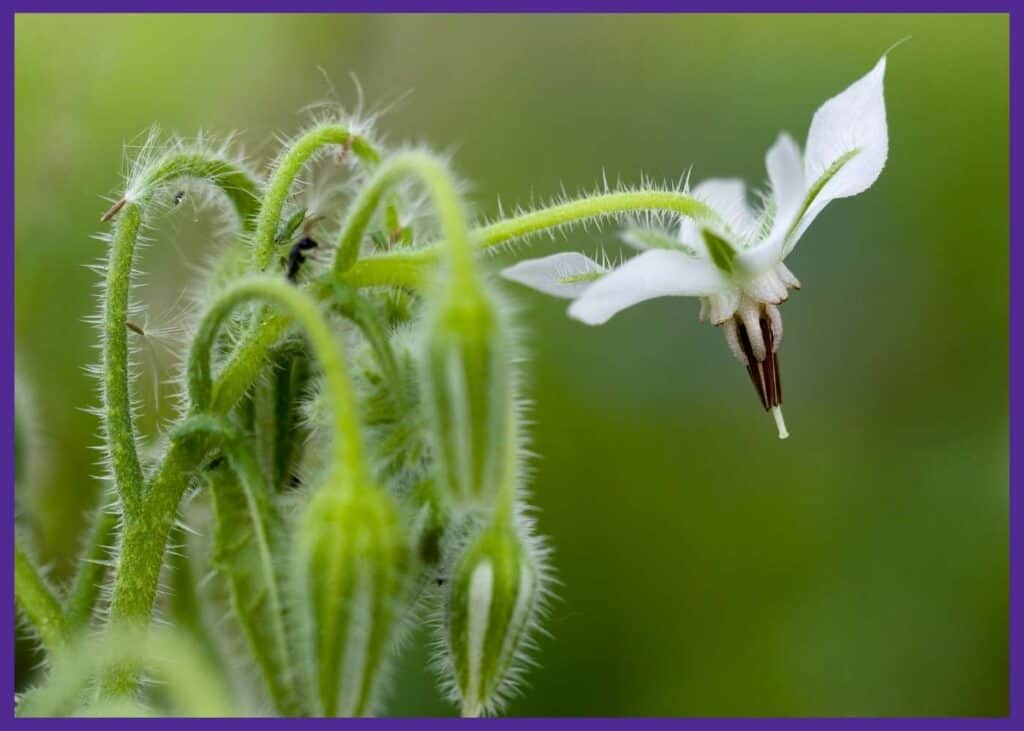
(733, 259)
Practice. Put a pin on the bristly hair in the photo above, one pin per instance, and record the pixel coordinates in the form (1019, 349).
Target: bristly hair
(658, 219)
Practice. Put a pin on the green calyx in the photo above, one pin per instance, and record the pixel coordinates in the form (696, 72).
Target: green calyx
(467, 383)
(490, 609)
(350, 567)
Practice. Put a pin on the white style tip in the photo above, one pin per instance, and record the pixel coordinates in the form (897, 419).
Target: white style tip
(780, 422)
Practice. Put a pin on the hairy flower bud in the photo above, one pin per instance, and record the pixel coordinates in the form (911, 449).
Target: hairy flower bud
(351, 562)
(468, 387)
(492, 606)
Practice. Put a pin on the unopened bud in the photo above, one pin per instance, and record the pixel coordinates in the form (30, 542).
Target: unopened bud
(468, 394)
(351, 562)
(491, 609)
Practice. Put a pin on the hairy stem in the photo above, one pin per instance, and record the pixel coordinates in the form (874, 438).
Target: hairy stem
(433, 174)
(131, 602)
(37, 602)
(291, 378)
(148, 510)
(409, 268)
(348, 448)
(141, 554)
(119, 427)
(364, 316)
(287, 170)
(242, 515)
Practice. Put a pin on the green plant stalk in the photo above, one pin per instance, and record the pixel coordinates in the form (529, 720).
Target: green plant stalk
(347, 444)
(362, 313)
(92, 568)
(287, 170)
(118, 422)
(291, 377)
(119, 427)
(135, 584)
(141, 552)
(37, 602)
(409, 268)
(433, 174)
(255, 590)
(148, 511)
(237, 185)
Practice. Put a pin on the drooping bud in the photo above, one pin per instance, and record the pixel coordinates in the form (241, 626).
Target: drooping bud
(468, 393)
(351, 564)
(491, 608)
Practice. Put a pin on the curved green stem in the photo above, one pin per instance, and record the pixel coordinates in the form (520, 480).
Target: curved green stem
(119, 426)
(38, 602)
(287, 170)
(362, 313)
(240, 187)
(409, 268)
(300, 307)
(136, 580)
(432, 172)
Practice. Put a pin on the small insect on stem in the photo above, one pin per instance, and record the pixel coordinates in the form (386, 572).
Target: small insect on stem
(296, 255)
(178, 196)
(113, 210)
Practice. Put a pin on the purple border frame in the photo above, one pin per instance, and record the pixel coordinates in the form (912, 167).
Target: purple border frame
(556, 6)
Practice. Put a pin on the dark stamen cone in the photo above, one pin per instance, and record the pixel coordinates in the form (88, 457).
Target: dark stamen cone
(763, 374)
(753, 366)
(771, 366)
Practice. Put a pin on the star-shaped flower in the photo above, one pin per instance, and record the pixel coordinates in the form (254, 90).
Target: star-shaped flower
(732, 258)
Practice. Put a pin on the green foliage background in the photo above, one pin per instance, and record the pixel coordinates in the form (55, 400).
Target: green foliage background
(707, 568)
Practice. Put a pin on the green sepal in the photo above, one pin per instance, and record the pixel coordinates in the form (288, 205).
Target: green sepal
(351, 563)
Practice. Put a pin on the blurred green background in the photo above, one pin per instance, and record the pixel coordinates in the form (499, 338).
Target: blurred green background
(859, 568)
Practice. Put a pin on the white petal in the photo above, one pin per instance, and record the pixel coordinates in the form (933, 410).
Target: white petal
(786, 173)
(655, 273)
(851, 124)
(559, 275)
(728, 198)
